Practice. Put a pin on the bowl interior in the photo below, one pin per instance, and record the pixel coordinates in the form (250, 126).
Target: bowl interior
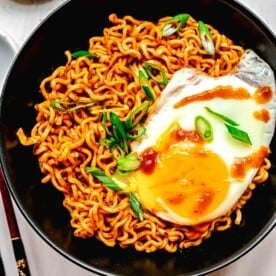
(42, 204)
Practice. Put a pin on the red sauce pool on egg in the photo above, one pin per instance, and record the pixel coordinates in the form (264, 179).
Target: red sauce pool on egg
(149, 160)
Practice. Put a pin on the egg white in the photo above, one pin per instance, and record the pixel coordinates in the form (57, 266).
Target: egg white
(251, 73)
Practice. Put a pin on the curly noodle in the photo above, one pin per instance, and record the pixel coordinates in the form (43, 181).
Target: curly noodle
(66, 143)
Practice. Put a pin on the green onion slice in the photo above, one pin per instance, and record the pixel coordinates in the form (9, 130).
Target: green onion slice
(144, 82)
(109, 142)
(136, 206)
(152, 68)
(129, 162)
(65, 106)
(174, 24)
(223, 117)
(104, 124)
(238, 134)
(136, 115)
(113, 185)
(148, 92)
(100, 175)
(204, 128)
(118, 124)
(83, 53)
(231, 126)
(136, 132)
(119, 131)
(206, 38)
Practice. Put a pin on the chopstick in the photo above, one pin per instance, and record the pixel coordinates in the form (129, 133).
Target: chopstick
(2, 270)
(17, 244)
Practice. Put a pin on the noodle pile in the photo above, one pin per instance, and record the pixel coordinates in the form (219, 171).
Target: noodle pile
(66, 143)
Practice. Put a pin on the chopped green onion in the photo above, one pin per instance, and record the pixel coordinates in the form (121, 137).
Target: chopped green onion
(150, 68)
(136, 115)
(136, 132)
(122, 131)
(238, 134)
(83, 53)
(148, 92)
(124, 181)
(174, 24)
(104, 124)
(136, 206)
(235, 132)
(223, 117)
(206, 38)
(65, 106)
(129, 162)
(119, 131)
(204, 128)
(100, 175)
(134, 70)
(58, 105)
(115, 120)
(144, 82)
(109, 142)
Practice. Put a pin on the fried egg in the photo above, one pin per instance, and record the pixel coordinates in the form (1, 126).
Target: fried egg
(187, 180)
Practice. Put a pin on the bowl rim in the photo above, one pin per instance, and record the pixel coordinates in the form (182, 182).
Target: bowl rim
(270, 225)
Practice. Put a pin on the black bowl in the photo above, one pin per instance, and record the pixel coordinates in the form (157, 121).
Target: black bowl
(69, 27)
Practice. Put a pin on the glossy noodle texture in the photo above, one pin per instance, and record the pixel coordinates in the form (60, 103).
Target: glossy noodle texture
(66, 143)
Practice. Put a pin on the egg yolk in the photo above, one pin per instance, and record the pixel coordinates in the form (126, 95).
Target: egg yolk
(184, 178)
